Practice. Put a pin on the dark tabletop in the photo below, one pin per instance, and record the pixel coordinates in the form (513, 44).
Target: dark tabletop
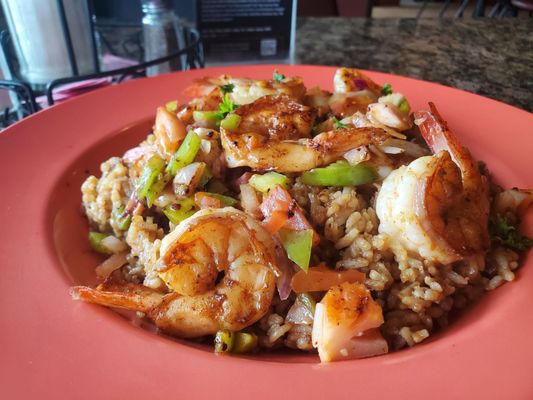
(490, 57)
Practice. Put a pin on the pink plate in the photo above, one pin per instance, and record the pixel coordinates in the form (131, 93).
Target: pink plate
(53, 347)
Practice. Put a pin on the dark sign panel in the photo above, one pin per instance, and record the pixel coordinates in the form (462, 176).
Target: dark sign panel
(246, 30)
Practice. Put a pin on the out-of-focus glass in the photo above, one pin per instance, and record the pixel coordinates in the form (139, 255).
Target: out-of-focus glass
(162, 35)
(39, 41)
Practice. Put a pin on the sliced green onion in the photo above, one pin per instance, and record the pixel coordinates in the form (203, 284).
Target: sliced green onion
(180, 211)
(231, 122)
(123, 220)
(244, 342)
(308, 301)
(224, 341)
(172, 106)
(266, 182)
(339, 174)
(200, 116)
(298, 246)
(404, 106)
(226, 200)
(185, 153)
(95, 240)
(158, 186)
(149, 175)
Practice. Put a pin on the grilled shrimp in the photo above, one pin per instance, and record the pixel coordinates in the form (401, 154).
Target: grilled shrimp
(345, 323)
(246, 91)
(169, 132)
(348, 80)
(210, 243)
(354, 92)
(438, 205)
(274, 135)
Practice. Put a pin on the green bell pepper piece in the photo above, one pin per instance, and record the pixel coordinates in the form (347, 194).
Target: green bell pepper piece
(244, 342)
(157, 188)
(231, 122)
(172, 106)
(224, 341)
(226, 200)
(298, 246)
(200, 116)
(180, 211)
(149, 175)
(123, 220)
(185, 153)
(339, 174)
(95, 240)
(264, 183)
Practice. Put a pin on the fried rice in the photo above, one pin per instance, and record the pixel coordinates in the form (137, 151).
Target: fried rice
(418, 296)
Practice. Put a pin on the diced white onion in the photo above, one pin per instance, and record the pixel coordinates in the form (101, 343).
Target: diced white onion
(299, 314)
(355, 156)
(383, 171)
(391, 150)
(411, 149)
(114, 244)
(113, 263)
(249, 200)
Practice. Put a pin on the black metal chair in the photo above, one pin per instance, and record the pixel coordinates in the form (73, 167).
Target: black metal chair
(479, 8)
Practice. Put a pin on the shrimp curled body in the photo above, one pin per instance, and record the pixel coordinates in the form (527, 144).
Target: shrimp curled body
(438, 205)
(193, 257)
(274, 134)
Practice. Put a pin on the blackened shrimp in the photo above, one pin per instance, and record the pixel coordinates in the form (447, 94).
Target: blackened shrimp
(220, 267)
(245, 91)
(438, 205)
(274, 134)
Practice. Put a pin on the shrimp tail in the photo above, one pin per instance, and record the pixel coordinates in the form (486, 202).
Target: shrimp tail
(130, 297)
(332, 143)
(439, 138)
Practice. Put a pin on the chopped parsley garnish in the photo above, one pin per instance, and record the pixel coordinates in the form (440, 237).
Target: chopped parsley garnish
(507, 235)
(278, 77)
(227, 88)
(225, 107)
(387, 89)
(338, 124)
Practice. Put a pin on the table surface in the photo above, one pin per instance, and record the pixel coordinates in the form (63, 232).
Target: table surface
(490, 57)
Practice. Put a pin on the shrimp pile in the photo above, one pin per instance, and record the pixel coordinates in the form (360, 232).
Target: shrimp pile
(263, 214)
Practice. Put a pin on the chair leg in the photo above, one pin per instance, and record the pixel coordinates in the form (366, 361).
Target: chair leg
(461, 9)
(479, 9)
(444, 8)
(421, 9)
(494, 10)
(503, 11)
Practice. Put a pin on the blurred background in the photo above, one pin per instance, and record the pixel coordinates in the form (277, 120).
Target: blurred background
(53, 50)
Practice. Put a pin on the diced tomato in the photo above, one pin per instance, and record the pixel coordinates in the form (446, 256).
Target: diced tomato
(204, 200)
(281, 211)
(321, 278)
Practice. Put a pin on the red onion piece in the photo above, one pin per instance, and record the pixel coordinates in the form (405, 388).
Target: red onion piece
(284, 273)
(361, 84)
